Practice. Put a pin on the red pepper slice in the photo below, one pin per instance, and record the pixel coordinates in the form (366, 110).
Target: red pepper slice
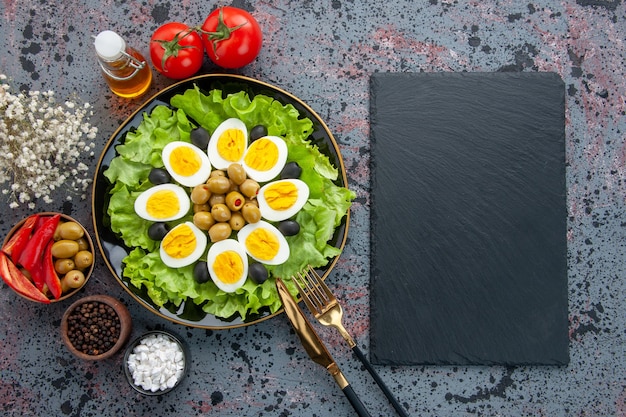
(51, 277)
(18, 281)
(38, 277)
(31, 255)
(18, 241)
(40, 222)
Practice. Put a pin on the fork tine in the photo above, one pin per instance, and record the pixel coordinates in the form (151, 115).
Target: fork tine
(311, 292)
(314, 284)
(329, 294)
(304, 294)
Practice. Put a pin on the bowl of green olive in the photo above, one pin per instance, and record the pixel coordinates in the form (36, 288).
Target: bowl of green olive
(47, 257)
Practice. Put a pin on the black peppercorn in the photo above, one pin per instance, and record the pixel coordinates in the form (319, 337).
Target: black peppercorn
(93, 328)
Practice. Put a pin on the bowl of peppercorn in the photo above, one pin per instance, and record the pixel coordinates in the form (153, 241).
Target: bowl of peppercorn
(96, 327)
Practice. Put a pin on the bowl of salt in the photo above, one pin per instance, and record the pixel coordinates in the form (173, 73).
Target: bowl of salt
(155, 363)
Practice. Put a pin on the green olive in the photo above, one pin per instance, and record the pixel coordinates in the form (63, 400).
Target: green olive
(73, 279)
(204, 220)
(217, 173)
(71, 231)
(218, 185)
(236, 173)
(83, 259)
(64, 287)
(234, 201)
(83, 244)
(233, 186)
(64, 248)
(63, 266)
(197, 208)
(220, 231)
(57, 233)
(200, 194)
(252, 201)
(220, 212)
(249, 188)
(217, 199)
(237, 221)
(251, 213)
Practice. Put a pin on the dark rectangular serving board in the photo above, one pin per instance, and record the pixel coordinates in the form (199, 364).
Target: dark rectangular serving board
(468, 219)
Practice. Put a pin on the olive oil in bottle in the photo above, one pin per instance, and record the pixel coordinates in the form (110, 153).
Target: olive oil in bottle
(124, 69)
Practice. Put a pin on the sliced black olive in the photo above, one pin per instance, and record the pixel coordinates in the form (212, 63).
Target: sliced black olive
(159, 176)
(257, 273)
(291, 170)
(201, 272)
(289, 227)
(200, 137)
(257, 132)
(158, 230)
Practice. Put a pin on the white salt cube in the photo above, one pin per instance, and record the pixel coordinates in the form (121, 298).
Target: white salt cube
(171, 381)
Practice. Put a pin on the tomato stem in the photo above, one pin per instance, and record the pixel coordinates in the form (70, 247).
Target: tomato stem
(173, 46)
(222, 32)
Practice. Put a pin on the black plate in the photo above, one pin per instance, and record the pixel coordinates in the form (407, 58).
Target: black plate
(113, 249)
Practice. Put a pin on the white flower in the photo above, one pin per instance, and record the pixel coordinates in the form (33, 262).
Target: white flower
(41, 142)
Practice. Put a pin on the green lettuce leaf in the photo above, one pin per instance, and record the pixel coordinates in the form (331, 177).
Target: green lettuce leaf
(162, 126)
(124, 221)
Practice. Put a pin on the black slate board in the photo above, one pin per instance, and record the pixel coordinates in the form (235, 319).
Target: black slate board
(468, 219)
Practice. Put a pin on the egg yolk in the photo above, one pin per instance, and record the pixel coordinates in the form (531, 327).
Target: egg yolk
(262, 155)
(228, 267)
(185, 161)
(281, 195)
(180, 242)
(262, 244)
(163, 204)
(231, 144)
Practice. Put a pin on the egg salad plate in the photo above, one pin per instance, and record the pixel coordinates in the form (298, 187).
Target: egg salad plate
(211, 190)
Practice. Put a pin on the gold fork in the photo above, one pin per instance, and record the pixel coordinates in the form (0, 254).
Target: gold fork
(324, 306)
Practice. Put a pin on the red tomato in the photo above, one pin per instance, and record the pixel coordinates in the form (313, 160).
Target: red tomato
(176, 50)
(232, 37)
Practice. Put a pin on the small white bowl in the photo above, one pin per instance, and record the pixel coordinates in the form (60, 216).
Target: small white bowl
(139, 354)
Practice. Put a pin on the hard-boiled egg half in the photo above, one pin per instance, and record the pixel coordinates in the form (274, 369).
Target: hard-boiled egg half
(264, 243)
(228, 264)
(183, 245)
(228, 143)
(186, 163)
(265, 158)
(162, 203)
(280, 200)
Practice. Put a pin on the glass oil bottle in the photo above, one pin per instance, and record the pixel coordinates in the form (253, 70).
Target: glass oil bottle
(124, 69)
